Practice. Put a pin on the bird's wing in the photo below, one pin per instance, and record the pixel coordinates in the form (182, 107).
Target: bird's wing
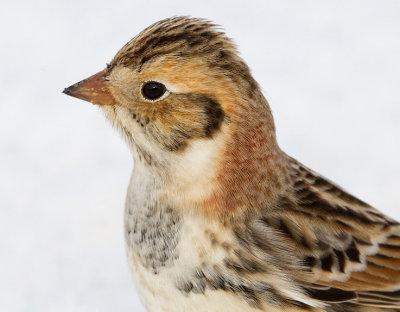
(349, 249)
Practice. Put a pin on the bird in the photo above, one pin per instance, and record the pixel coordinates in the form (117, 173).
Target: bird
(217, 216)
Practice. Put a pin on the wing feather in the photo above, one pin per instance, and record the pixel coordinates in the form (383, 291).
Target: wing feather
(350, 250)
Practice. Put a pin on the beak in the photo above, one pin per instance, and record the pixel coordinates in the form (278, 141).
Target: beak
(93, 89)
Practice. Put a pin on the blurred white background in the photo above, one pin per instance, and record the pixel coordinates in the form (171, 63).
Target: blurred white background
(330, 70)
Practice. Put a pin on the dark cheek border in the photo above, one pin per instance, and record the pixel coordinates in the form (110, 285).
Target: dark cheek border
(215, 116)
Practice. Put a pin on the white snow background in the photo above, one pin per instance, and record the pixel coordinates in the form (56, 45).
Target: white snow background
(330, 70)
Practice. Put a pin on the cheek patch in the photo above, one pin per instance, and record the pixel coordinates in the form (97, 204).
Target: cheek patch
(182, 117)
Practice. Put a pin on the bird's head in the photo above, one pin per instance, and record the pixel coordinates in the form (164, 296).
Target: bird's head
(188, 107)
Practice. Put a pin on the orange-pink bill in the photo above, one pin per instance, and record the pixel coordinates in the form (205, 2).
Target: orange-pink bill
(93, 89)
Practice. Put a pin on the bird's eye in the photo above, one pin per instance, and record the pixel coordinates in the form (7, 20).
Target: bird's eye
(153, 90)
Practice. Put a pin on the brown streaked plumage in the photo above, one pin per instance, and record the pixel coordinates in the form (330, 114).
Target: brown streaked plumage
(217, 216)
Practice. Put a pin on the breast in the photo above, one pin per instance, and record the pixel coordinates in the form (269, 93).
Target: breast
(165, 251)
(183, 261)
(152, 227)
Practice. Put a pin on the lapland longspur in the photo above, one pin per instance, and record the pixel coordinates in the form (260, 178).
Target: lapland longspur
(218, 217)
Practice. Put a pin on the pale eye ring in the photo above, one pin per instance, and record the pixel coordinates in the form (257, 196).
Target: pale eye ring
(153, 90)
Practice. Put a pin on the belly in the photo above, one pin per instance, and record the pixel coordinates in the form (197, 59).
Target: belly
(158, 293)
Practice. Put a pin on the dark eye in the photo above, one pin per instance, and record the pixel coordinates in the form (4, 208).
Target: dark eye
(153, 90)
